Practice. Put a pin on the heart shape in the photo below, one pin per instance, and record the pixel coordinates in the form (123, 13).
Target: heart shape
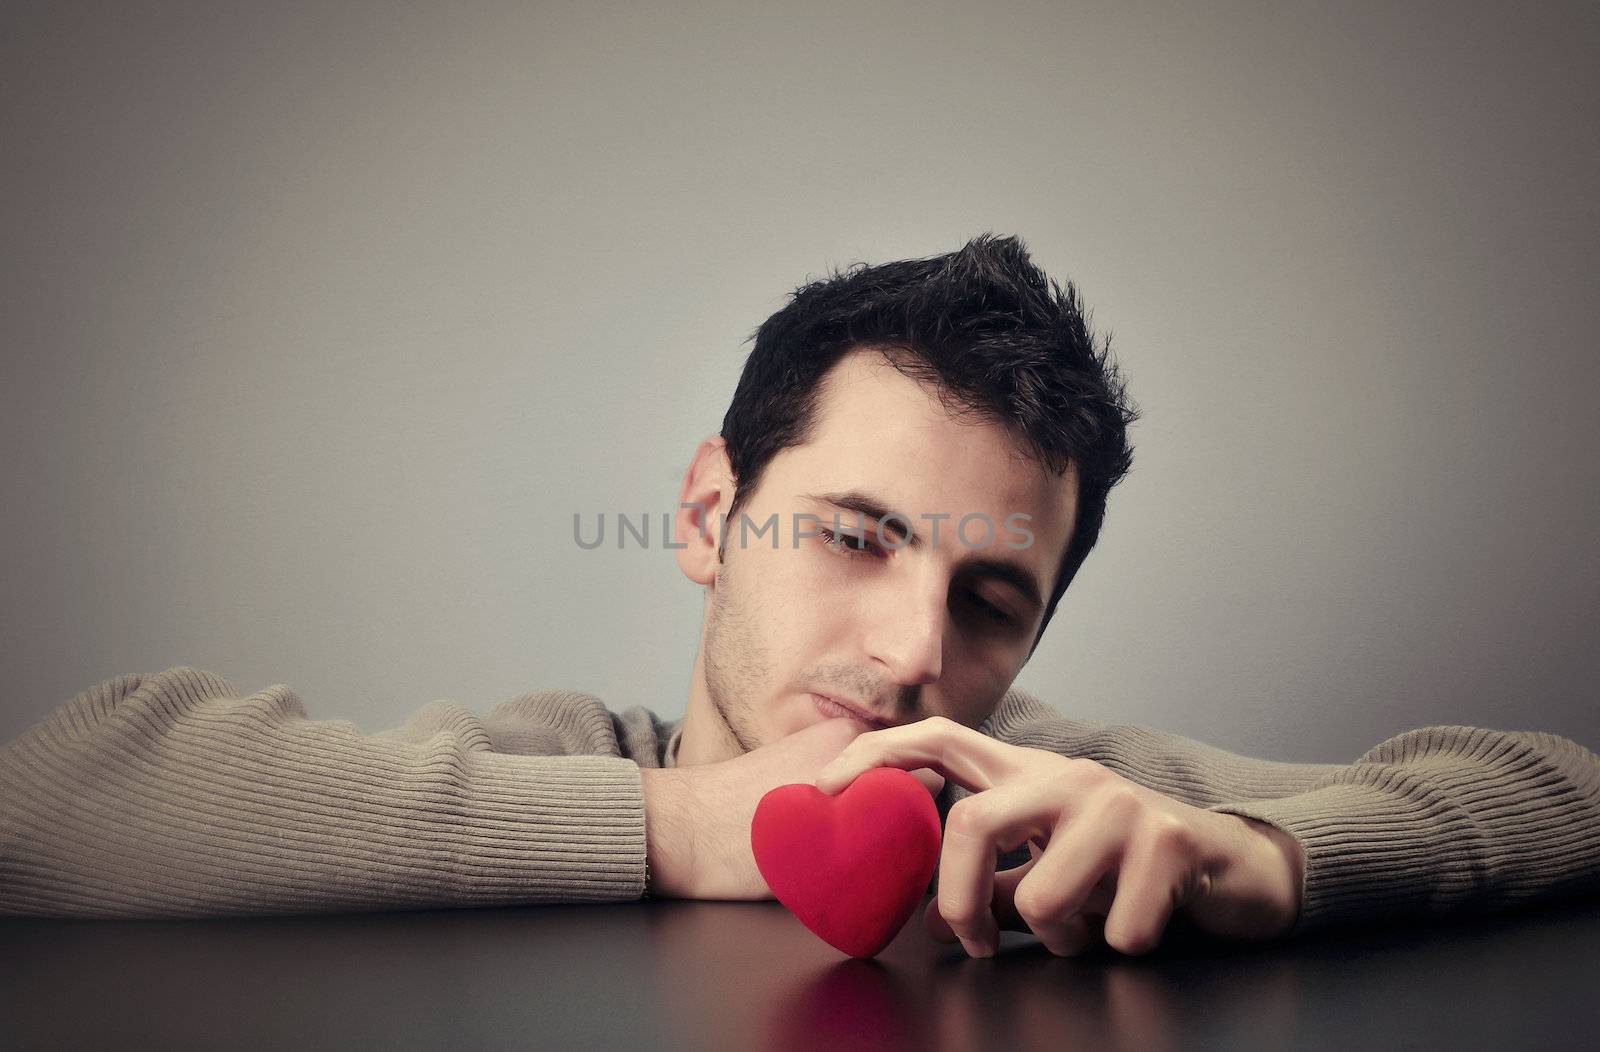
(852, 867)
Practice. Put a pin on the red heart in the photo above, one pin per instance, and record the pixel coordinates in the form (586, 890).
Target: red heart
(853, 866)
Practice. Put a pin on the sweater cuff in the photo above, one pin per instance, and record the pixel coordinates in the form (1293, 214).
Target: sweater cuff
(1368, 854)
(552, 829)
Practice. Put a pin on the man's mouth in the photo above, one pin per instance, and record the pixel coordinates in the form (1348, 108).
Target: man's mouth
(832, 708)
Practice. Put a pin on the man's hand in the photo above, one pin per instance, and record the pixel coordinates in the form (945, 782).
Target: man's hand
(697, 819)
(1112, 860)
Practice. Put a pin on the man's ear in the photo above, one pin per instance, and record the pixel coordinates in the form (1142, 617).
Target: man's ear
(703, 503)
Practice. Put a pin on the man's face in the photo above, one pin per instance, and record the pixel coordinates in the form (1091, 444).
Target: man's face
(904, 630)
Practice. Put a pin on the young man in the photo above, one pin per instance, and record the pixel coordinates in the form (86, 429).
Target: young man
(914, 466)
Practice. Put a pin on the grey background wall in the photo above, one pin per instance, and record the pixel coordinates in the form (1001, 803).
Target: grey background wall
(320, 322)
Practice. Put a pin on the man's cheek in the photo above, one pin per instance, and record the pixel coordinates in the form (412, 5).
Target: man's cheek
(971, 707)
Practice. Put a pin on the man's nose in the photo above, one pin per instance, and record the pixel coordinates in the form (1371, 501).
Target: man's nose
(908, 636)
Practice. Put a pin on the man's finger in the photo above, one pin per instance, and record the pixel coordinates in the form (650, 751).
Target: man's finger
(1070, 936)
(1005, 882)
(1148, 887)
(1063, 894)
(1081, 858)
(959, 753)
(978, 830)
(1089, 921)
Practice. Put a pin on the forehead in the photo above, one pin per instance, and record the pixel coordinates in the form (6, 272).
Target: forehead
(877, 429)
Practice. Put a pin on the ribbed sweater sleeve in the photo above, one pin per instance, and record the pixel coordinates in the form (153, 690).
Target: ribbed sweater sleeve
(170, 795)
(1432, 821)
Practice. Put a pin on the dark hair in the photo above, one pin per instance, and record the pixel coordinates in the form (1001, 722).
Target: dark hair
(987, 329)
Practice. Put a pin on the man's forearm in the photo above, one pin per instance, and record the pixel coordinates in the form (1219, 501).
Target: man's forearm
(171, 795)
(697, 834)
(1282, 865)
(669, 833)
(697, 818)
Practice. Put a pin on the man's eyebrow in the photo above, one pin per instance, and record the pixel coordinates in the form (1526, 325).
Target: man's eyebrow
(1012, 573)
(1006, 570)
(873, 508)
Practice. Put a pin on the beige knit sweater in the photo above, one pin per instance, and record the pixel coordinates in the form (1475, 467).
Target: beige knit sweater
(172, 795)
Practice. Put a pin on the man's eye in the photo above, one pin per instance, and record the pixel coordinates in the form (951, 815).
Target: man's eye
(989, 610)
(850, 544)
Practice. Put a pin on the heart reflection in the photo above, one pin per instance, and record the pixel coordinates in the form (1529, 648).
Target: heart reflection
(851, 1004)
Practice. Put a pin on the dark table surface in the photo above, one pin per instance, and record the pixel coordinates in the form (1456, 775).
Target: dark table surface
(747, 975)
